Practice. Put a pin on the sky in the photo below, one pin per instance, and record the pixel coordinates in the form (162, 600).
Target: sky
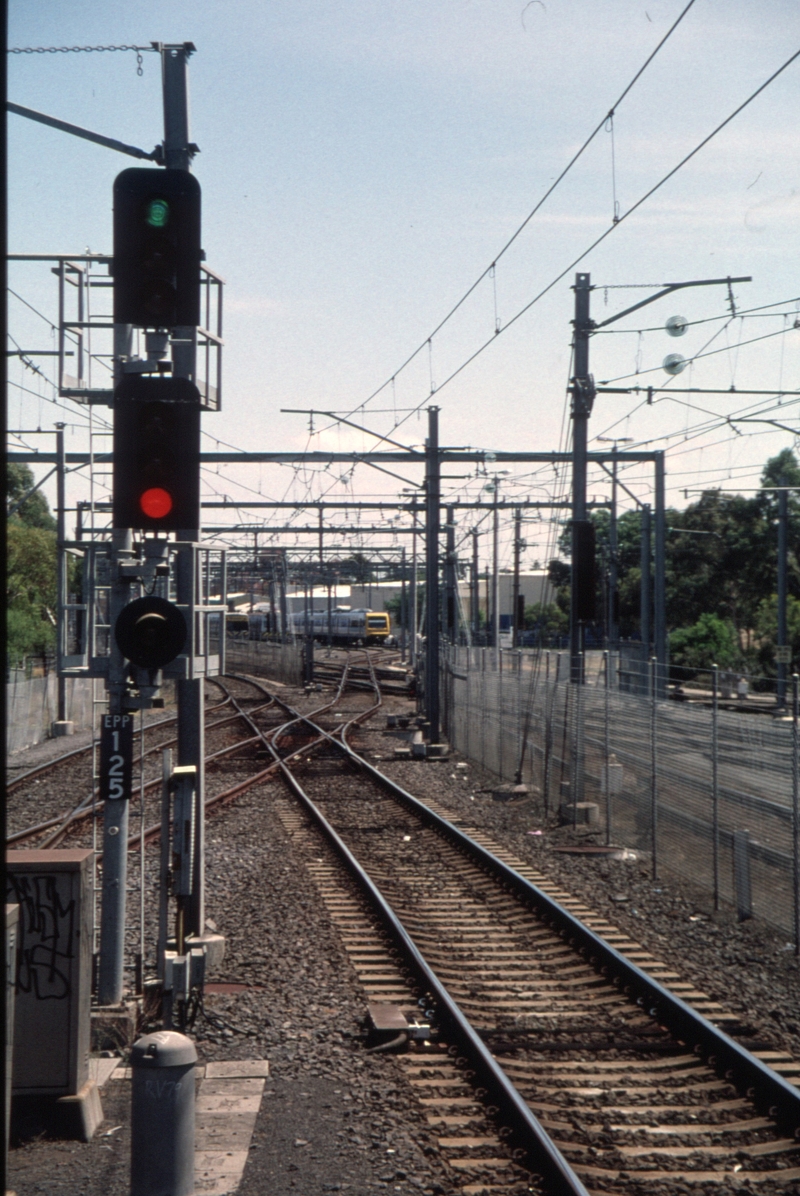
(363, 164)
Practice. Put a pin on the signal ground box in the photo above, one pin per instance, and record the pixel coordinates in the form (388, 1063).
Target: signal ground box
(53, 990)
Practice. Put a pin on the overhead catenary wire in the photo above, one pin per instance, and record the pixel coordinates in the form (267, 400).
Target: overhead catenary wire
(489, 270)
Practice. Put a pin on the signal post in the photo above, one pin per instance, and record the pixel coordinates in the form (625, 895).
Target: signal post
(161, 633)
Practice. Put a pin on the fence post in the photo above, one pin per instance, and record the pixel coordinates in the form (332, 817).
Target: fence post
(715, 778)
(741, 875)
(654, 764)
(796, 812)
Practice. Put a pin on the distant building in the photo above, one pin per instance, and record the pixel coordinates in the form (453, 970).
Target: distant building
(533, 586)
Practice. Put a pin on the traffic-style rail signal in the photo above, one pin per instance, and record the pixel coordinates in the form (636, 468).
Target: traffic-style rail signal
(150, 632)
(156, 248)
(157, 454)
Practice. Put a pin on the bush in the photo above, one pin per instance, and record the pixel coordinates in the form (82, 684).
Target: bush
(711, 640)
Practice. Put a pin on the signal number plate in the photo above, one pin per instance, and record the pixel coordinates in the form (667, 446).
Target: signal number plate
(116, 756)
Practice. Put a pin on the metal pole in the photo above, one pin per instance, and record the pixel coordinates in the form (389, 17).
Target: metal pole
(578, 789)
(115, 813)
(659, 578)
(796, 812)
(284, 606)
(488, 608)
(432, 574)
(515, 621)
(548, 738)
(451, 613)
(613, 564)
(475, 600)
(582, 400)
(190, 693)
(715, 780)
(403, 606)
(164, 860)
(191, 738)
(495, 572)
(644, 594)
(330, 617)
(307, 634)
(414, 587)
(654, 763)
(61, 579)
(783, 520)
(607, 745)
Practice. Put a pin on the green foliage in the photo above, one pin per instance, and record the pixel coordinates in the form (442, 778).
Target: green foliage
(34, 511)
(548, 617)
(30, 590)
(766, 628)
(721, 559)
(711, 640)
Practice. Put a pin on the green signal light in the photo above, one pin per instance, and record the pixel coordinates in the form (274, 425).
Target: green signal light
(157, 213)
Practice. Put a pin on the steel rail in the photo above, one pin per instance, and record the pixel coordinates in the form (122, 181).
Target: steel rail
(83, 809)
(153, 832)
(768, 1090)
(14, 782)
(543, 1155)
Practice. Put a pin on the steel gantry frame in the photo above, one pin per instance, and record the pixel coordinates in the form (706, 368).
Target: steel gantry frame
(432, 459)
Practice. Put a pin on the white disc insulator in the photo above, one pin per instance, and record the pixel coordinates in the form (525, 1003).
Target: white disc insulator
(673, 363)
(676, 325)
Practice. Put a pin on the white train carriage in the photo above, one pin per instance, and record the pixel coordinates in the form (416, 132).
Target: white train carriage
(346, 628)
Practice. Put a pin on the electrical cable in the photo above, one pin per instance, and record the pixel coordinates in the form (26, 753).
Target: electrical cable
(490, 268)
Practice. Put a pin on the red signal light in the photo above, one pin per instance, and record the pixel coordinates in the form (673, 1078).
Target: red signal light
(156, 503)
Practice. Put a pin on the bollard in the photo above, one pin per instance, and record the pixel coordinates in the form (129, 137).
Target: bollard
(162, 1115)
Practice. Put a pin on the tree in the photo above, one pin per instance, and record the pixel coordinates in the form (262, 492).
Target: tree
(35, 510)
(711, 640)
(548, 619)
(766, 628)
(31, 597)
(30, 590)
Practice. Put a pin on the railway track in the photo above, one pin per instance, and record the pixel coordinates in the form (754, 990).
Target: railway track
(563, 1057)
(561, 1042)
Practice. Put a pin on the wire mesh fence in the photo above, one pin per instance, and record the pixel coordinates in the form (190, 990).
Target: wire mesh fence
(708, 792)
(266, 658)
(32, 705)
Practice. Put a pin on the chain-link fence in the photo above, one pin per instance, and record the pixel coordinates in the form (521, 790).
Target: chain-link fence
(265, 658)
(709, 792)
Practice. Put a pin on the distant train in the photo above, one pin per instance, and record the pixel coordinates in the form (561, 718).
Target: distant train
(347, 627)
